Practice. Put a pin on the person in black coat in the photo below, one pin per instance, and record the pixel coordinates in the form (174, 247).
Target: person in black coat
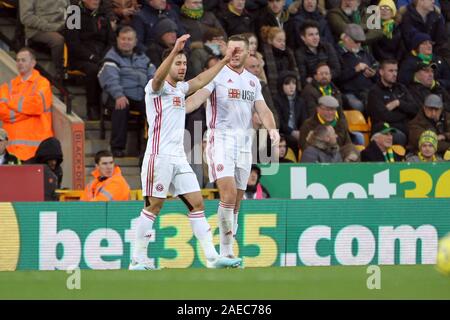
(273, 15)
(391, 102)
(49, 153)
(87, 46)
(235, 19)
(423, 53)
(313, 51)
(290, 107)
(380, 146)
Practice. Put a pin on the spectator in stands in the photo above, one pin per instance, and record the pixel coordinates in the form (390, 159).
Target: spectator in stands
(327, 114)
(87, 46)
(313, 51)
(253, 51)
(49, 153)
(6, 158)
(423, 16)
(351, 12)
(277, 56)
(108, 183)
(213, 45)
(431, 117)
(404, 3)
(25, 107)
(322, 146)
(283, 150)
(321, 85)
(380, 146)
(255, 190)
(358, 67)
(390, 101)
(165, 32)
(253, 65)
(290, 108)
(423, 53)
(424, 84)
(43, 21)
(151, 12)
(390, 45)
(196, 21)
(272, 15)
(124, 10)
(301, 12)
(124, 74)
(428, 143)
(235, 19)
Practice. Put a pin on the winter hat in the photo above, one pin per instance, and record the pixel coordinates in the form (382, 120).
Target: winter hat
(429, 136)
(390, 4)
(418, 38)
(163, 26)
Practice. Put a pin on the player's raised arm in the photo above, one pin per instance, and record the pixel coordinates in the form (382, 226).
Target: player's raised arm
(267, 120)
(206, 76)
(163, 70)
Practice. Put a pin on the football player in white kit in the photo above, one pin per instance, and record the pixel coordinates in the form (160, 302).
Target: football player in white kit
(232, 97)
(165, 167)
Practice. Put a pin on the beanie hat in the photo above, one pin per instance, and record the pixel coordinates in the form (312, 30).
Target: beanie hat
(418, 38)
(163, 26)
(429, 136)
(390, 4)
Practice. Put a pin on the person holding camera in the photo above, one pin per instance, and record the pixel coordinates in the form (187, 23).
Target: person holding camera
(358, 68)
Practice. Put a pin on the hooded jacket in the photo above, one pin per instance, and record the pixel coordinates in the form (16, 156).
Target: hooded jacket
(321, 152)
(144, 21)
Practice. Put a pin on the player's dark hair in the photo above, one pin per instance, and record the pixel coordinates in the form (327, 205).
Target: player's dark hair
(102, 154)
(166, 53)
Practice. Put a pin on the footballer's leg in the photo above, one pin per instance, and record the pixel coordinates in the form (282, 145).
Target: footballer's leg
(239, 197)
(225, 212)
(202, 231)
(144, 232)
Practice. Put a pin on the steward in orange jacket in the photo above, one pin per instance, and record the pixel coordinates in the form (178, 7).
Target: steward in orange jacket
(25, 108)
(108, 183)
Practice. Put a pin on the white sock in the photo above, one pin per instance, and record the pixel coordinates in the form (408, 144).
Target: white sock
(235, 223)
(143, 233)
(202, 231)
(225, 216)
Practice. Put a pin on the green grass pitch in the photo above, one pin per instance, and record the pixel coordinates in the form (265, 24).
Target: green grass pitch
(337, 282)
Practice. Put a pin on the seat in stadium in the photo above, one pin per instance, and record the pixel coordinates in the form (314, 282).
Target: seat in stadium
(357, 122)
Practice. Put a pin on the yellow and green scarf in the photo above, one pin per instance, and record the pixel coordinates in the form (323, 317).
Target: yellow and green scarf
(388, 27)
(389, 156)
(192, 13)
(425, 58)
(332, 123)
(326, 91)
(422, 158)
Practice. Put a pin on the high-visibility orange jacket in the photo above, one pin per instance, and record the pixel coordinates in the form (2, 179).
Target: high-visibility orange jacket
(115, 188)
(25, 110)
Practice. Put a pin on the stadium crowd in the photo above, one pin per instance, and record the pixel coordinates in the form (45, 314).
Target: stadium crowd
(316, 61)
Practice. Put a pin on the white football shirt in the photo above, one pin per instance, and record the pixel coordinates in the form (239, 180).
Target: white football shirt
(230, 105)
(166, 115)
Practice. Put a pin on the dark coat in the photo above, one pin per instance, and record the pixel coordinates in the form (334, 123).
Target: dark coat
(311, 95)
(419, 92)
(398, 118)
(307, 60)
(413, 23)
(320, 152)
(197, 28)
(408, 68)
(266, 18)
(372, 153)
(421, 123)
(92, 40)
(234, 24)
(351, 81)
(386, 49)
(144, 21)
